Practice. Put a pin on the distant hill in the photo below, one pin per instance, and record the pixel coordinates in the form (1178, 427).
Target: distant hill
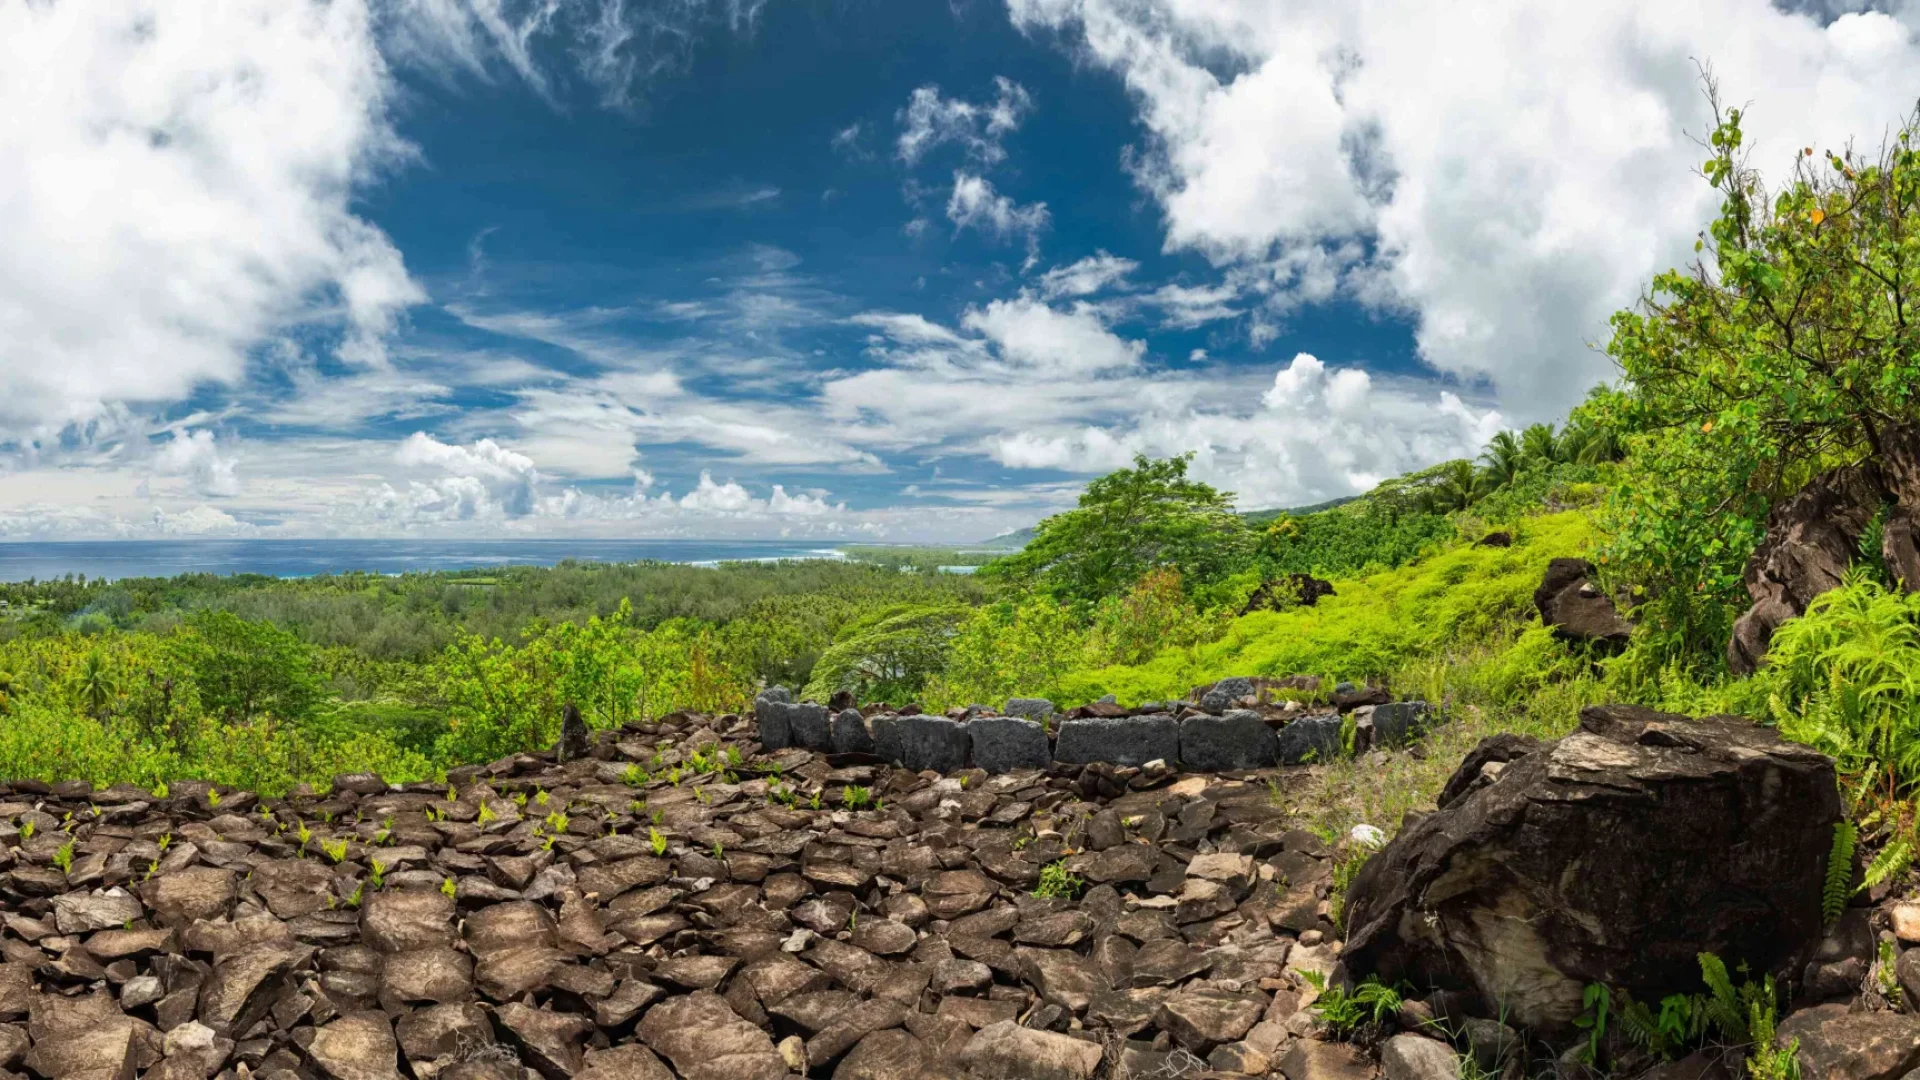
(1261, 517)
(1019, 538)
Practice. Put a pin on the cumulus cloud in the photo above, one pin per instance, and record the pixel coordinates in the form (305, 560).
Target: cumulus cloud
(727, 498)
(931, 120)
(179, 184)
(196, 456)
(1508, 178)
(1298, 446)
(471, 481)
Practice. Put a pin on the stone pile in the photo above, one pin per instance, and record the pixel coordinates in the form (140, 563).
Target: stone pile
(1232, 725)
(676, 900)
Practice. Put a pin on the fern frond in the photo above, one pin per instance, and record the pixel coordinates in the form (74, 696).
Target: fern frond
(1892, 862)
(1833, 900)
(1722, 1004)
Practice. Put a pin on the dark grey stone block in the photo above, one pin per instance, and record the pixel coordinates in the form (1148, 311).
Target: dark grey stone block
(1032, 708)
(1125, 740)
(932, 742)
(808, 723)
(1225, 693)
(1238, 740)
(770, 716)
(1310, 738)
(1005, 743)
(1400, 722)
(885, 729)
(850, 734)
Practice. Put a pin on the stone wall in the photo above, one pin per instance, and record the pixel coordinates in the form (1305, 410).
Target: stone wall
(1222, 727)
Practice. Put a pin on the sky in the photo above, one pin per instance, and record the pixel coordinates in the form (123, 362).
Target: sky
(855, 270)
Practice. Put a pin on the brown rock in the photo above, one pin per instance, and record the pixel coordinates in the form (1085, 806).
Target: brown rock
(1836, 1044)
(358, 1046)
(550, 1042)
(400, 920)
(439, 975)
(1007, 1051)
(706, 1040)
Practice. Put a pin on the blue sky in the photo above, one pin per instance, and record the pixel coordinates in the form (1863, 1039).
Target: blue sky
(846, 269)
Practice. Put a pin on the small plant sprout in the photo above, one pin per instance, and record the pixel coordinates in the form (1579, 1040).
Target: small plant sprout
(634, 776)
(26, 830)
(719, 853)
(453, 795)
(659, 816)
(557, 821)
(336, 850)
(213, 798)
(353, 899)
(63, 858)
(519, 799)
(160, 790)
(541, 797)
(486, 814)
(379, 874)
(1056, 883)
(637, 807)
(305, 834)
(659, 841)
(448, 888)
(855, 797)
(815, 803)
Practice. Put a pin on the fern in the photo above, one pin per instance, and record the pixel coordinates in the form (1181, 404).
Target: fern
(1891, 862)
(1833, 900)
(1722, 1003)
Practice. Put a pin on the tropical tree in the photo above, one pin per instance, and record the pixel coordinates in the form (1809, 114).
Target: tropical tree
(1504, 458)
(1541, 445)
(97, 685)
(245, 669)
(1128, 523)
(1788, 347)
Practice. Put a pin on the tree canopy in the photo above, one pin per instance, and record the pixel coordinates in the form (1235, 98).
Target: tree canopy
(1791, 345)
(1128, 523)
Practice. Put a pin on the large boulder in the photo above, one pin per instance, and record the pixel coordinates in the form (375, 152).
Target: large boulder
(1576, 609)
(1615, 855)
(1811, 540)
(1286, 591)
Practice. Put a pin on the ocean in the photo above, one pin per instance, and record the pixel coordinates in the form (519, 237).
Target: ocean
(115, 559)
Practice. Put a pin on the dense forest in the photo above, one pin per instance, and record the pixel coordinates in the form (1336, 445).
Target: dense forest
(1784, 351)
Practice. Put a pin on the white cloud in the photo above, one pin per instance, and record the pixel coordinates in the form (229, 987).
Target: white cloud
(1507, 174)
(804, 504)
(196, 455)
(1072, 342)
(179, 183)
(930, 120)
(975, 204)
(1095, 273)
(727, 498)
(473, 481)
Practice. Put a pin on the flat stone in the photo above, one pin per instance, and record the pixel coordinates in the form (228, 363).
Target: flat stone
(428, 1033)
(440, 974)
(553, 1043)
(1001, 744)
(394, 921)
(1203, 1019)
(1007, 1051)
(1238, 740)
(241, 987)
(1311, 1059)
(894, 1055)
(180, 897)
(1836, 1044)
(357, 1046)
(705, 1039)
(1905, 917)
(1122, 740)
(1030, 708)
(629, 1062)
(1416, 1057)
(81, 913)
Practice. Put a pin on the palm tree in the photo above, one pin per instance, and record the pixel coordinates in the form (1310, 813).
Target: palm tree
(1587, 443)
(96, 685)
(1504, 457)
(1458, 486)
(1539, 445)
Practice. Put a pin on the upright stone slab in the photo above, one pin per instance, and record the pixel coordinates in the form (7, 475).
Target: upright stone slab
(1400, 722)
(1124, 740)
(885, 728)
(932, 742)
(1238, 740)
(808, 723)
(1030, 708)
(1310, 739)
(849, 734)
(770, 716)
(1005, 743)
